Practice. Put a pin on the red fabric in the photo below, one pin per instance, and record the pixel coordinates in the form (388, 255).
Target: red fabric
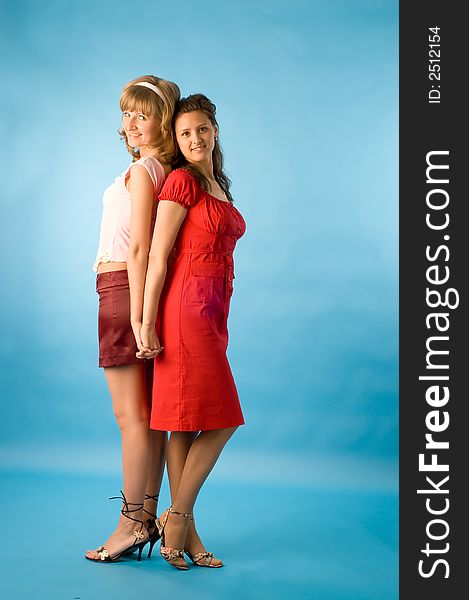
(117, 345)
(193, 387)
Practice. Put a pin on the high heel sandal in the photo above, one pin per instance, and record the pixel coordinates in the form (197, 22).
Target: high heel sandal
(152, 526)
(172, 554)
(203, 559)
(152, 523)
(104, 555)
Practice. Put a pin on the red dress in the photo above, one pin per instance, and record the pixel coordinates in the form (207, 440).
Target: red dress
(193, 387)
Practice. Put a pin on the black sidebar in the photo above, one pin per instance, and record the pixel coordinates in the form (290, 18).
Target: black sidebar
(434, 356)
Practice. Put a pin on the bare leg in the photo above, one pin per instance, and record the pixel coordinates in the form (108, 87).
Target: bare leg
(159, 441)
(128, 390)
(200, 460)
(178, 448)
(179, 445)
(158, 444)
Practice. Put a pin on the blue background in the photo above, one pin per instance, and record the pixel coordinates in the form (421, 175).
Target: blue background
(304, 499)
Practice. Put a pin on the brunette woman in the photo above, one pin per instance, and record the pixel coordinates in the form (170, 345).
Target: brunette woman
(186, 303)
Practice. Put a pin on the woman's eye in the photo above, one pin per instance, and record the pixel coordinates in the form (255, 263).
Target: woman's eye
(141, 117)
(202, 129)
(125, 114)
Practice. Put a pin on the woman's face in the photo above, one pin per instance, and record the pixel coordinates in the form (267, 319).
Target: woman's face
(139, 129)
(195, 136)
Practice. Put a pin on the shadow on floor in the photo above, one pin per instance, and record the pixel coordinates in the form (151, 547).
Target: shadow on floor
(277, 542)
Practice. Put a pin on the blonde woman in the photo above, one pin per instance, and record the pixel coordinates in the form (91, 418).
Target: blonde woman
(129, 209)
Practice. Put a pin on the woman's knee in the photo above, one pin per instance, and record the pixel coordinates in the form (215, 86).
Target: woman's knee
(227, 433)
(131, 418)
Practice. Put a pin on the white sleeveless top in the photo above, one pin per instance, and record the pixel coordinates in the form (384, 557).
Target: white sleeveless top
(114, 234)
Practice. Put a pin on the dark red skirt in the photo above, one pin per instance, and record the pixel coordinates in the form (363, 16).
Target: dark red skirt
(117, 344)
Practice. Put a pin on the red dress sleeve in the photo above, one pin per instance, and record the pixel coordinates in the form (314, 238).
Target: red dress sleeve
(181, 187)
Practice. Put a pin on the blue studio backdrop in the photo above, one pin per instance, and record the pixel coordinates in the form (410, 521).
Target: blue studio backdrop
(306, 93)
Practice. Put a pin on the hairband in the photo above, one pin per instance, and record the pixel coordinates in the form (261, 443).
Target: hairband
(150, 86)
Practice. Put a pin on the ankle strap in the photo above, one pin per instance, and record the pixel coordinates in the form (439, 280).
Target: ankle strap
(125, 509)
(175, 512)
(152, 497)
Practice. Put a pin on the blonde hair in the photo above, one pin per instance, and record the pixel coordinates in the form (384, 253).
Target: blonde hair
(155, 106)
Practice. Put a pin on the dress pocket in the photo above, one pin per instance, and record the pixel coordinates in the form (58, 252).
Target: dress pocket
(206, 283)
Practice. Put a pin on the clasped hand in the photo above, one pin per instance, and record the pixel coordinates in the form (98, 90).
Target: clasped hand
(147, 341)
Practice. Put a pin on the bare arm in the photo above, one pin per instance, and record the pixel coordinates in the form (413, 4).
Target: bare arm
(141, 193)
(169, 218)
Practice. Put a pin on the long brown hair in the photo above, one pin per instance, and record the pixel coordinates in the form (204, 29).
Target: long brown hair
(142, 99)
(202, 103)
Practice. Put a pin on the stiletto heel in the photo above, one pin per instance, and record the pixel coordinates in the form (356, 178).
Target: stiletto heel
(152, 523)
(104, 555)
(172, 554)
(140, 550)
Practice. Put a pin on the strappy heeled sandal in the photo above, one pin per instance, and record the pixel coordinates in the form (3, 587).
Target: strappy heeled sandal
(152, 524)
(171, 555)
(104, 555)
(203, 559)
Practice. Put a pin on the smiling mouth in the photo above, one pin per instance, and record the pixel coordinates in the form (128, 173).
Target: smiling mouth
(198, 148)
